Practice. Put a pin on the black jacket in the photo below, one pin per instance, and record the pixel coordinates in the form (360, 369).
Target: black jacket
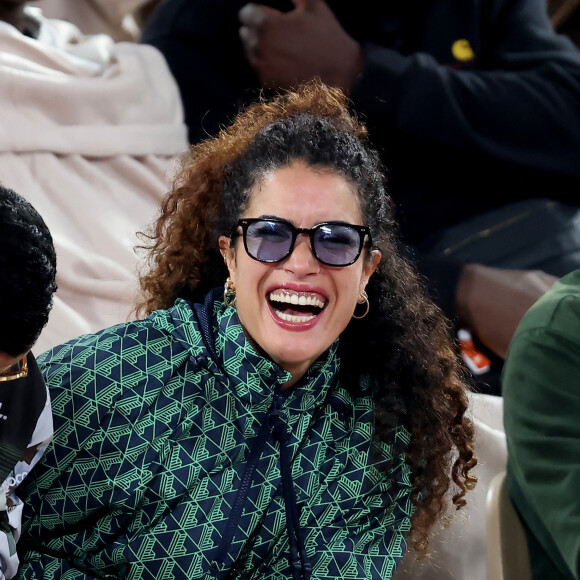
(458, 135)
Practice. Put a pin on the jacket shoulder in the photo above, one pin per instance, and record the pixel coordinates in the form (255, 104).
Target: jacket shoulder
(139, 354)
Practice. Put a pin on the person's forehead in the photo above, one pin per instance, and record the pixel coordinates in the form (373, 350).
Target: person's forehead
(304, 184)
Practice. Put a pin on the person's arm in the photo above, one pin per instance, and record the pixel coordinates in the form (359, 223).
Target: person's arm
(518, 103)
(541, 390)
(42, 494)
(269, 37)
(69, 493)
(490, 302)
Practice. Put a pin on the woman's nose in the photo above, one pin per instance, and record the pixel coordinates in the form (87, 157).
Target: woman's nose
(302, 259)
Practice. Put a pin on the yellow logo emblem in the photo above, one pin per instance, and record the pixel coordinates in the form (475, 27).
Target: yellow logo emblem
(462, 51)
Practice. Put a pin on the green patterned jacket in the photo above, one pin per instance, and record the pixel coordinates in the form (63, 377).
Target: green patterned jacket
(164, 464)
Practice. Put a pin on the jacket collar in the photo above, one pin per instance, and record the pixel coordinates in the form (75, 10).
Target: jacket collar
(252, 375)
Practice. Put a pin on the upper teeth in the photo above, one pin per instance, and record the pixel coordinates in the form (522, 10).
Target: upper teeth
(301, 299)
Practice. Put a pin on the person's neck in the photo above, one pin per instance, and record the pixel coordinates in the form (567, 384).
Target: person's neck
(297, 373)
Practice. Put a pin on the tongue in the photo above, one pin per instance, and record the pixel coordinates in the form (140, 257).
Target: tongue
(293, 312)
(295, 309)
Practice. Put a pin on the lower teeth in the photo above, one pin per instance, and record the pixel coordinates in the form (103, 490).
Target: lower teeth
(293, 318)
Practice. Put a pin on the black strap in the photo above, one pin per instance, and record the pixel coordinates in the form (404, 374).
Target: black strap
(299, 563)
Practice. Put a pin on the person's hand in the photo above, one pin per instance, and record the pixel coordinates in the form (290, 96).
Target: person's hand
(287, 48)
(491, 301)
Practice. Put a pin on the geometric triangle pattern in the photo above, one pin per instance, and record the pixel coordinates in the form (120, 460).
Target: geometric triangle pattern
(163, 464)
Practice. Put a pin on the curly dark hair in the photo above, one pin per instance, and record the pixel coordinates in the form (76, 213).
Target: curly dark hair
(27, 273)
(415, 374)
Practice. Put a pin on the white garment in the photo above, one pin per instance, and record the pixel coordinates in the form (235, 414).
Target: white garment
(458, 552)
(90, 133)
(111, 17)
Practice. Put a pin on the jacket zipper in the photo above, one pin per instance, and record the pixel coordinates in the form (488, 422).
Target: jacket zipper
(249, 471)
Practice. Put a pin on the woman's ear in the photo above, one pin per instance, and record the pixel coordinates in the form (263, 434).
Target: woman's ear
(370, 265)
(227, 252)
(224, 244)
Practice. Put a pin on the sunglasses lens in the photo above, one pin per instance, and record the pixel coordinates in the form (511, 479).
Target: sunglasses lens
(337, 245)
(268, 241)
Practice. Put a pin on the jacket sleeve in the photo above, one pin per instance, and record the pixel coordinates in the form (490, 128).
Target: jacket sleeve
(72, 496)
(542, 405)
(53, 496)
(517, 103)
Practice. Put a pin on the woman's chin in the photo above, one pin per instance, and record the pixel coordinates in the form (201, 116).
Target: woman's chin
(294, 355)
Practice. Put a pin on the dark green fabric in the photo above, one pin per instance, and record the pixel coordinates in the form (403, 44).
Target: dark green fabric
(545, 558)
(541, 390)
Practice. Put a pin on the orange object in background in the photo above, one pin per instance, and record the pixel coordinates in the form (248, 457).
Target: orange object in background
(477, 362)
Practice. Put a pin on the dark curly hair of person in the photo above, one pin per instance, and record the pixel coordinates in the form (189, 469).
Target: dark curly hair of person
(27, 273)
(415, 374)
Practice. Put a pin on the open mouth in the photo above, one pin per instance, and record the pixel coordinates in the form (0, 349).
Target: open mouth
(296, 307)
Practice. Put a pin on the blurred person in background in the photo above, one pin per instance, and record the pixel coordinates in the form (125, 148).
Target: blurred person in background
(122, 20)
(92, 130)
(541, 391)
(482, 96)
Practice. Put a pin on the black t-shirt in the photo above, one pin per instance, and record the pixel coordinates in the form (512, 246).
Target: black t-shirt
(21, 403)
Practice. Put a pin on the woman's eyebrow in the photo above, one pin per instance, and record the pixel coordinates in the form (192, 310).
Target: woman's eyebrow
(275, 217)
(287, 221)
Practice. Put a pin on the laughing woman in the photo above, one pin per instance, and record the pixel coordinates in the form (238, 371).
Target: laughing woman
(291, 407)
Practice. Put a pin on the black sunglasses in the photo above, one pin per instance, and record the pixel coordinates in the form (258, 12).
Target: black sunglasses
(272, 240)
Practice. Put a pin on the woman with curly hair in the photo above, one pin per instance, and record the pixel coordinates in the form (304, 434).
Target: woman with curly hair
(290, 407)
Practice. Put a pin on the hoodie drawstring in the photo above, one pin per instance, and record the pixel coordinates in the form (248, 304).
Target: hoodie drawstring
(278, 422)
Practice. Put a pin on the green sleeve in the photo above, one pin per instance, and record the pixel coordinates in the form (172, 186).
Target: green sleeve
(541, 390)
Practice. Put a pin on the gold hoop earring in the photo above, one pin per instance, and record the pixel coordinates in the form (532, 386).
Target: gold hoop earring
(229, 293)
(365, 298)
